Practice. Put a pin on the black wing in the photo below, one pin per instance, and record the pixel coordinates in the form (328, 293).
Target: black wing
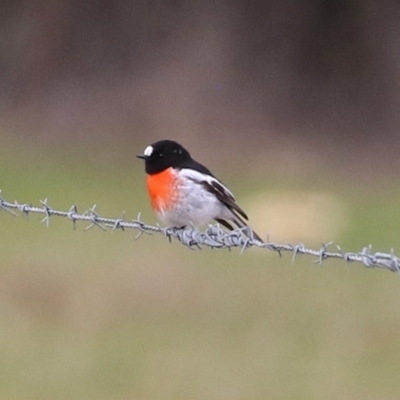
(223, 195)
(214, 186)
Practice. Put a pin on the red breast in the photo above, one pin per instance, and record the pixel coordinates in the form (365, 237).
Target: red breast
(162, 188)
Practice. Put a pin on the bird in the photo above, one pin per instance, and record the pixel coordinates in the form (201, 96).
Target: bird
(184, 192)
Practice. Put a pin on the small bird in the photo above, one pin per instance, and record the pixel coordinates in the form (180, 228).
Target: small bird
(183, 191)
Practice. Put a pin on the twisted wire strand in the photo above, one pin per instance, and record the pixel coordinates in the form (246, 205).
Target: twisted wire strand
(213, 237)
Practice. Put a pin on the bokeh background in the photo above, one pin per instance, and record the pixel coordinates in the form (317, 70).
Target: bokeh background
(293, 104)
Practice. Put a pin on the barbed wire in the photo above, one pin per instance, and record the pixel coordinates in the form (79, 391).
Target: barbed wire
(214, 237)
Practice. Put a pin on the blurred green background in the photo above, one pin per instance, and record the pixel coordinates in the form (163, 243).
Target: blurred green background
(293, 105)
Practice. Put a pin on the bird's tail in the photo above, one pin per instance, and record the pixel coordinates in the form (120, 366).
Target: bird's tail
(240, 223)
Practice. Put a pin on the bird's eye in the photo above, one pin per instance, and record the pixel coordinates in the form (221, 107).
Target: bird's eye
(160, 155)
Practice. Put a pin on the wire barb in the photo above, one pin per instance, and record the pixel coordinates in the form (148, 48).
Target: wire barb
(214, 236)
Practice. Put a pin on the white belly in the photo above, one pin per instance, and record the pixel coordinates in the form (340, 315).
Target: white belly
(195, 206)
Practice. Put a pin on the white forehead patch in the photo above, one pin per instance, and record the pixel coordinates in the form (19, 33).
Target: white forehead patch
(148, 151)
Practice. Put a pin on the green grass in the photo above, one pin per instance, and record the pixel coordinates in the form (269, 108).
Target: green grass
(95, 315)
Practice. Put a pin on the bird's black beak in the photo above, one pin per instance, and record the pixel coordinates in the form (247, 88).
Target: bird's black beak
(141, 156)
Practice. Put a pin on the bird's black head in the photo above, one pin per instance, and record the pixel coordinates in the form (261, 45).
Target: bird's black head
(164, 154)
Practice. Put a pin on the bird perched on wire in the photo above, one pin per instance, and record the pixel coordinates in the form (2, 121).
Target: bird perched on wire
(184, 192)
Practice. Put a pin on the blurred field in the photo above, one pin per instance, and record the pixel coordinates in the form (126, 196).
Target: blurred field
(95, 315)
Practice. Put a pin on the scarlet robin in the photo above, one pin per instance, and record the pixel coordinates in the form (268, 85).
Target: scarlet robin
(183, 191)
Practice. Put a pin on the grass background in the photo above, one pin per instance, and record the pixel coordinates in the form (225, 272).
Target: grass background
(95, 315)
